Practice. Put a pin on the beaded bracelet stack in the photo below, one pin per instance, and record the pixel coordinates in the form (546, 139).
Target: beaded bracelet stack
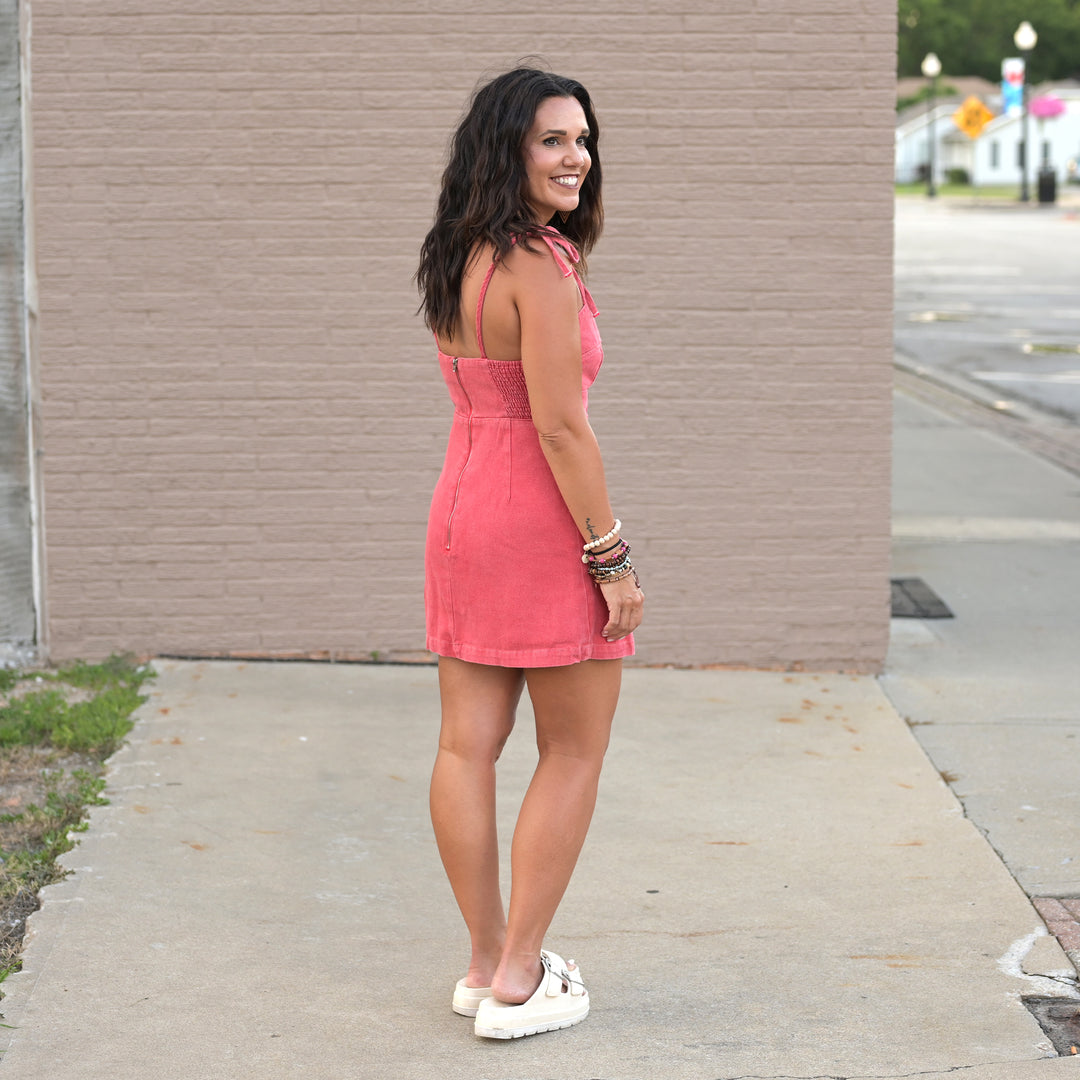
(608, 564)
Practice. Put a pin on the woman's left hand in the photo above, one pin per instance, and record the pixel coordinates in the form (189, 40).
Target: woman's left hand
(626, 603)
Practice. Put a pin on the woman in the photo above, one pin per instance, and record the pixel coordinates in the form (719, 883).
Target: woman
(528, 579)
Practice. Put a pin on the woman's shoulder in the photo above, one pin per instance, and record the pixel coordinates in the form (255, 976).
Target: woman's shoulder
(541, 253)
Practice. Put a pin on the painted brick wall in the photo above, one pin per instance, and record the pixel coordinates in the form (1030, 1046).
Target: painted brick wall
(243, 415)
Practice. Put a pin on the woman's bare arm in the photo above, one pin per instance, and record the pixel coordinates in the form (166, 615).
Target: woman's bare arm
(547, 305)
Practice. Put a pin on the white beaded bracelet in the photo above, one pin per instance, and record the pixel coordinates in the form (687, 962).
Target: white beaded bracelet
(600, 541)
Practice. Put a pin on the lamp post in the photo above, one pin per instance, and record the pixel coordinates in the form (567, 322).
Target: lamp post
(931, 68)
(1025, 40)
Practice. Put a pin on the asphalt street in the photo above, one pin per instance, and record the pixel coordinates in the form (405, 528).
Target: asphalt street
(990, 295)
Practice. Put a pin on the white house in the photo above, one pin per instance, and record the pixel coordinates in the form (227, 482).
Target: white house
(994, 157)
(913, 124)
(914, 129)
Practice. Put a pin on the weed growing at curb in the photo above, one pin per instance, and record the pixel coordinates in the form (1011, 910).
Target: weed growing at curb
(57, 729)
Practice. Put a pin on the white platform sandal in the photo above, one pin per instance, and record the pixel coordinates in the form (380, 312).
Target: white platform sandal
(560, 1001)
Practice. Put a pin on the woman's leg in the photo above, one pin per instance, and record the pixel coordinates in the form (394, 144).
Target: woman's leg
(478, 704)
(574, 707)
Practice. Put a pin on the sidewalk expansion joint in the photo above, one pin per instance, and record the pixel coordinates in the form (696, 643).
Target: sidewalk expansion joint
(951, 780)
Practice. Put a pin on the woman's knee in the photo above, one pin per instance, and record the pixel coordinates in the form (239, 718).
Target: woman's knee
(587, 743)
(476, 741)
(479, 705)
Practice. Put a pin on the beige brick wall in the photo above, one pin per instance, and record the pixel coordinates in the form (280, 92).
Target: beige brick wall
(243, 416)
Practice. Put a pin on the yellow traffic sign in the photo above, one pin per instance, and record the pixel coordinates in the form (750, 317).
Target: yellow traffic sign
(972, 117)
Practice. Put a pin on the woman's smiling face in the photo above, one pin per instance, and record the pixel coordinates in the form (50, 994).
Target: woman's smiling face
(556, 159)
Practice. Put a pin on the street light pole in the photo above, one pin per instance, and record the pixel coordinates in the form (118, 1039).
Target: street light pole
(931, 68)
(1025, 40)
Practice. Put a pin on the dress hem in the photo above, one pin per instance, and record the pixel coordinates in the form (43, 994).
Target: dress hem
(532, 658)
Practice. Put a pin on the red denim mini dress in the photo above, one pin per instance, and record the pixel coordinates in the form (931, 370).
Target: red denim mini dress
(504, 580)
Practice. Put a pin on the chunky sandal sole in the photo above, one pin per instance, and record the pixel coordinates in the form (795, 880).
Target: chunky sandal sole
(520, 1033)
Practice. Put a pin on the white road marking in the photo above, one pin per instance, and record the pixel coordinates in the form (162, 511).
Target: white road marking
(1028, 376)
(983, 528)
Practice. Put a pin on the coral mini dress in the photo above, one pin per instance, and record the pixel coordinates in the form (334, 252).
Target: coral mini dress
(504, 580)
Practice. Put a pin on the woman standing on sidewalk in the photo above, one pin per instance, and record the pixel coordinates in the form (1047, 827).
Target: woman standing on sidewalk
(528, 580)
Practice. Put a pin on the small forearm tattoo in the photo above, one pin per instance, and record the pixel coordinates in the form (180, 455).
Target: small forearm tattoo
(592, 531)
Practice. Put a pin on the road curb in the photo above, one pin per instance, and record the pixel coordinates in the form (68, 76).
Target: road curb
(1031, 429)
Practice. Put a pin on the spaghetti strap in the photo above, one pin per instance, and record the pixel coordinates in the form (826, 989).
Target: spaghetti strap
(560, 246)
(480, 308)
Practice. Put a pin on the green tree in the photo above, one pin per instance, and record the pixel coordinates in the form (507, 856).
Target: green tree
(972, 37)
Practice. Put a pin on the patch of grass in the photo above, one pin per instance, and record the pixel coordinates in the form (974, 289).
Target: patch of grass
(57, 728)
(989, 193)
(48, 827)
(95, 726)
(28, 720)
(118, 670)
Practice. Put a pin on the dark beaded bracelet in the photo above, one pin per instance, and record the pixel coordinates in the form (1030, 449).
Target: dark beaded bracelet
(629, 572)
(622, 550)
(615, 571)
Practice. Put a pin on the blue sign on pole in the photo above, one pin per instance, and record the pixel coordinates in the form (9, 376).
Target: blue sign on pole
(1012, 86)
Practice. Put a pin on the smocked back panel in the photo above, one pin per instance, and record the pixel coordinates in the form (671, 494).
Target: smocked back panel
(480, 386)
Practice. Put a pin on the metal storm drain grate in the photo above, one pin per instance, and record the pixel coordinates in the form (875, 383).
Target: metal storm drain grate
(912, 598)
(1060, 1021)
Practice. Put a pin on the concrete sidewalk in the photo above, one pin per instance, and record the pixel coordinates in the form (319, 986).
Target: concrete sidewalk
(995, 692)
(778, 883)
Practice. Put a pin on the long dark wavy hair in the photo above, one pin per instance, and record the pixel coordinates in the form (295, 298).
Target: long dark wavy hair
(484, 185)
